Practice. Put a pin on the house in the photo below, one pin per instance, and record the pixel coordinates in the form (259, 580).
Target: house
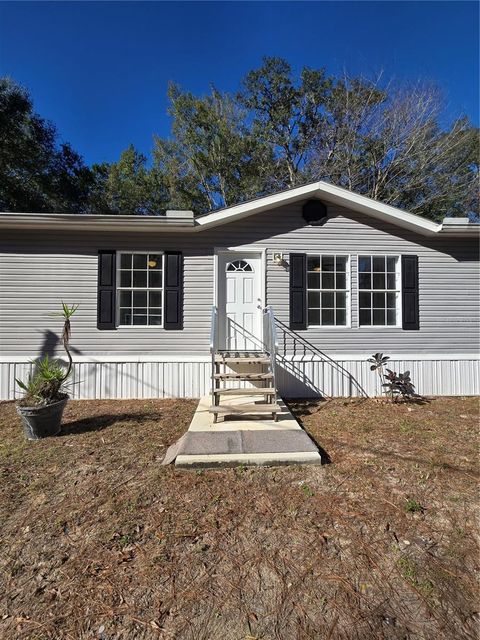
(344, 276)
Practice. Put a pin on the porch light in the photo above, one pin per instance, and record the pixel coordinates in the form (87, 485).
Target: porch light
(278, 257)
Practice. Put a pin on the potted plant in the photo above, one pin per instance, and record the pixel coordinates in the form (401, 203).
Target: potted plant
(44, 399)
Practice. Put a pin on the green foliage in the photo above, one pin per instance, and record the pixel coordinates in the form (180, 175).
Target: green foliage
(409, 571)
(45, 385)
(287, 115)
(413, 506)
(50, 377)
(67, 311)
(213, 159)
(131, 188)
(279, 131)
(307, 490)
(36, 173)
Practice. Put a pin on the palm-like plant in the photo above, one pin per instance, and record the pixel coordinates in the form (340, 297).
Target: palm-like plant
(66, 313)
(44, 386)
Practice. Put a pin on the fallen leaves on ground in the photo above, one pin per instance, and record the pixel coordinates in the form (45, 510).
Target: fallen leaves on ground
(100, 541)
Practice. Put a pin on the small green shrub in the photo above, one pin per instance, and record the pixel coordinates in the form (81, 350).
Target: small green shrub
(393, 384)
(413, 506)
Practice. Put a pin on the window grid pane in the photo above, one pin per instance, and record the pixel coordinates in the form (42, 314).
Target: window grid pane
(140, 293)
(378, 293)
(327, 292)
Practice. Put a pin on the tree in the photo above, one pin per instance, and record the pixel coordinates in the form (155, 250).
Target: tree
(287, 116)
(213, 159)
(36, 173)
(279, 131)
(98, 202)
(387, 144)
(131, 188)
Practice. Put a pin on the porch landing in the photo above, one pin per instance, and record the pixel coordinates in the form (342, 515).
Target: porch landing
(247, 441)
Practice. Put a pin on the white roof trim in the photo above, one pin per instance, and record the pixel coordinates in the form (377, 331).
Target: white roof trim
(337, 195)
(328, 193)
(172, 221)
(184, 221)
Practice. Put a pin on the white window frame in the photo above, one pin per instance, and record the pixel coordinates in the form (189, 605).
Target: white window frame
(348, 291)
(397, 290)
(118, 288)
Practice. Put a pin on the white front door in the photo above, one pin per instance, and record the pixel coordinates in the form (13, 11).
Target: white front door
(240, 302)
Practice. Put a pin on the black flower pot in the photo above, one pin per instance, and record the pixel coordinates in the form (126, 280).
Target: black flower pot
(44, 421)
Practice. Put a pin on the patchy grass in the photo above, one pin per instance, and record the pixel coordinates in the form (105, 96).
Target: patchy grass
(412, 506)
(99, 541)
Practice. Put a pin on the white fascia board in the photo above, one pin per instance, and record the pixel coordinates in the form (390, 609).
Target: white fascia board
(239, 211)
(184, 221)
(329, 193)
(377, 209)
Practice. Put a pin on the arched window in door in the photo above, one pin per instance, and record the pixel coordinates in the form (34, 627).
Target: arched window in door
(239, 265)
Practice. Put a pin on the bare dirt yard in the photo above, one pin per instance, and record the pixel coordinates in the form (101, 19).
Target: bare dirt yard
(99, 541)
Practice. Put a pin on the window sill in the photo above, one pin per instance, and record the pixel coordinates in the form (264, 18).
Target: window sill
(139, 326)
(380, 326)
(328, 326)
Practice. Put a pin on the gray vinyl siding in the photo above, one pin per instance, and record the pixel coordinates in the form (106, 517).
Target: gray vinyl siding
(39, 269)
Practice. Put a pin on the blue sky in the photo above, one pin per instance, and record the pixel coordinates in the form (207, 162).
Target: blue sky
(100, 70)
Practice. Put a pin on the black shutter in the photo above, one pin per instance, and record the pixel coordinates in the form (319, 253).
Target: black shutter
(410, 318)
(298, 291)
(173, 290)
(106, 290)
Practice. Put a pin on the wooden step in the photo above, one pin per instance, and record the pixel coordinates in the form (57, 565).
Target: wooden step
(241, 360)
(243, 376)
(245, 409)
(241, 354)
(252, 391)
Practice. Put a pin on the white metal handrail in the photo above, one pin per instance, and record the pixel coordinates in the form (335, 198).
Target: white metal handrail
(214, 330)
(270, 331)
(271, 342)
(213, 345)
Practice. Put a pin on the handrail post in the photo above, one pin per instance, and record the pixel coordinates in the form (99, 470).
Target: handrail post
(271, 343)
(213, 346)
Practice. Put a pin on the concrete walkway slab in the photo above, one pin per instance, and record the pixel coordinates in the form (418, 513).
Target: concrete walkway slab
(203, 420)
(245, 441)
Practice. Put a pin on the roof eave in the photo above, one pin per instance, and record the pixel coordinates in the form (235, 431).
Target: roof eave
(331, 194)
(461, 230)
(173, 221)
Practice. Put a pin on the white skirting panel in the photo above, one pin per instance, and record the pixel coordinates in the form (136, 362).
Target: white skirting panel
(105, 380)
(296, 377)
(353, 378)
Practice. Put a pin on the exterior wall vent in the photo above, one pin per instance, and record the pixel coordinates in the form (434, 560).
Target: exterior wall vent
(315, 212)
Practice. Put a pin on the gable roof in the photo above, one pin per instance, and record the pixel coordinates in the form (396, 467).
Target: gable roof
(184, 221)
(336, 195)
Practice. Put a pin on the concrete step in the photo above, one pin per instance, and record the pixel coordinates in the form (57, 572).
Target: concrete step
(242, 376)
(251, 391)
(245, 409)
